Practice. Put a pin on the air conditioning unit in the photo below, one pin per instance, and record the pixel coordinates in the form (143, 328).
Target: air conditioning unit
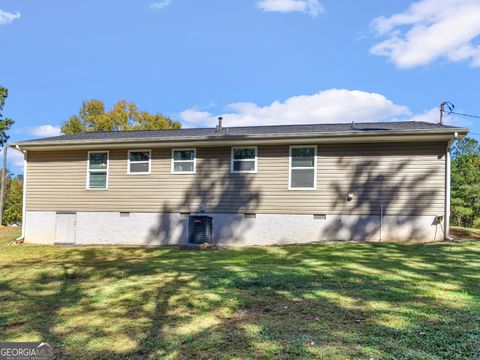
(200, 229)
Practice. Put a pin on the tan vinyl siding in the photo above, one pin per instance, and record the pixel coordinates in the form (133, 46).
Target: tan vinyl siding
(406, 178)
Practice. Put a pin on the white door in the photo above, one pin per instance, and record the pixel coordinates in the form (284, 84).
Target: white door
(65, 228)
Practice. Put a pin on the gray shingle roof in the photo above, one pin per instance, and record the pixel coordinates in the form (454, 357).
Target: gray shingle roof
(273, 130)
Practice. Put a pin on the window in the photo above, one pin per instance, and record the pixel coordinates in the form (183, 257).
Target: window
(244, 159)
(139, 161)
(97, 174)
(183, 161)
(303, 162)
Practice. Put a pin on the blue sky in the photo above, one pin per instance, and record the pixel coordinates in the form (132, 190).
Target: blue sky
(252, 61)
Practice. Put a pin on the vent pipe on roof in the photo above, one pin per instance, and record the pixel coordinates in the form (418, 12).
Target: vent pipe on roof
(219, 126)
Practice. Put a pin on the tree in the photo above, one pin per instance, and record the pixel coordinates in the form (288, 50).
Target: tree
(14, 202)
(5, 123)
(123, 116)
(465, 185)
(73, 126)
(466, 147)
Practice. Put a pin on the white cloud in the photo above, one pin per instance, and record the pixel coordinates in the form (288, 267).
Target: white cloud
(194, 116)
(432, 115)
(328, 106)
(7, 17)
(14, 157)
(45, 130)
(160, 4)
(429, 30)
(311, 7)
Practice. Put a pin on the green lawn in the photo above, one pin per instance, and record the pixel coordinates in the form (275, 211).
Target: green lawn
(351, 300)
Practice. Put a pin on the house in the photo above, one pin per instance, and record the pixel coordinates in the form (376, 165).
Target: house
(241, 185)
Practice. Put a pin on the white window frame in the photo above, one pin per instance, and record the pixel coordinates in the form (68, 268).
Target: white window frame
(232, 160)
(302, 168)
(97, 170)
(174, 161)
(140, 162)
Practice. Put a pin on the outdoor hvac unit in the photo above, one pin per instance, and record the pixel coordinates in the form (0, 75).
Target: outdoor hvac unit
(200, 229)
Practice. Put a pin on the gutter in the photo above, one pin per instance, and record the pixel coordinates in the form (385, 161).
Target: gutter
(447, 187)
(348, 135)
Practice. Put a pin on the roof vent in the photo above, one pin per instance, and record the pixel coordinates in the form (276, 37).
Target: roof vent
(219, 126)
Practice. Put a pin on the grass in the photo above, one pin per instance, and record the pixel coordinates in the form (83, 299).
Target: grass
(8, 234)
(351, 300)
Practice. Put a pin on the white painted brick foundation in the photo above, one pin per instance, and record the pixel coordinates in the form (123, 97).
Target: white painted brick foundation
(231, 229)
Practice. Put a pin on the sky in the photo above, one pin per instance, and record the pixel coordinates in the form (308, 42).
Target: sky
(254, 62)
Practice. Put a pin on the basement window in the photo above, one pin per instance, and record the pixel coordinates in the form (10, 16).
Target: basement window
(302, 172)
(97, 174)
(139, 161)
(244, 159)
(183, 161)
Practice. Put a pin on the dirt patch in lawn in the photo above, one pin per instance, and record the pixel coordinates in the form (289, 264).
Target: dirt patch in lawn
(465, 234)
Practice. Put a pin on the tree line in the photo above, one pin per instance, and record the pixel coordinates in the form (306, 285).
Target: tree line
(11, 198)
(12, 213)
(123, 115)
(465, 183)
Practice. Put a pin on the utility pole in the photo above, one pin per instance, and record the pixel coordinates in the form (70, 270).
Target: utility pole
(4, 175)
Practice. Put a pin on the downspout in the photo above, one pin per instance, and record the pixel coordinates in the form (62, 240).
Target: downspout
(24, 199)
(447, 188)
(381, 221)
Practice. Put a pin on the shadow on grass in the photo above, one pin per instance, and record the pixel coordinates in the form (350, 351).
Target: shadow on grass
(354, 300)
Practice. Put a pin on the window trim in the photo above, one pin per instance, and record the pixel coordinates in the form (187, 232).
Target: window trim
(232, 160)
(149, 162)
(302, 168)
(97, 170)
(172, 168)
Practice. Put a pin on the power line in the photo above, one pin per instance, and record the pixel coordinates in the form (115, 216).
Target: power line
(469, 115)
(449, 110)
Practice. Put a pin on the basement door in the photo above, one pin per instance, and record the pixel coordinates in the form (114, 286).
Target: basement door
(65, 228)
